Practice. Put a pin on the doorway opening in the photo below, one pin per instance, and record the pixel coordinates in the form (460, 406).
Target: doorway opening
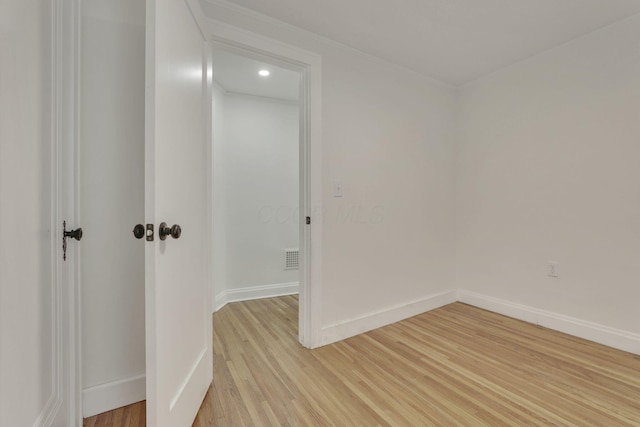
(259, 175)
(256, 178)
(307, 64)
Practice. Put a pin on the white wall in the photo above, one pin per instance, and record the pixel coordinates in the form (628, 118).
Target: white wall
(548, 171)
(112, 202)
(257, 195)
(219, 252)
(388, 135)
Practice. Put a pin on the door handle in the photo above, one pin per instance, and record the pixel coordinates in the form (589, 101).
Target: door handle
(71, 234)
(138, 231)
(164, 230)
(74, 234)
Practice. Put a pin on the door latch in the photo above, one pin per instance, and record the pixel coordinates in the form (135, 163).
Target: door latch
(139, 231)
(72, 234)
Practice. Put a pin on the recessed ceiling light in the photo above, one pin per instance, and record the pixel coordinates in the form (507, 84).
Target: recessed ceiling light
(264, 73)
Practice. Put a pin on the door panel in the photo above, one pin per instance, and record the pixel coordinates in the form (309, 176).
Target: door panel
(178, 326)
(32, 370)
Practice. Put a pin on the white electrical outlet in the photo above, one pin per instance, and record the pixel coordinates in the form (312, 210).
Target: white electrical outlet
(552, 269)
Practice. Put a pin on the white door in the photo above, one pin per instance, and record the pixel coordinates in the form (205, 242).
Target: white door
(34, 306)
(178, 320)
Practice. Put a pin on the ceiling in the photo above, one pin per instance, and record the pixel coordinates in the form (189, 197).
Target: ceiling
(239, 74)
(454, 41)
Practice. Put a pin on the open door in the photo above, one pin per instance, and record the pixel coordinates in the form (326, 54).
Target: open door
(178, 321)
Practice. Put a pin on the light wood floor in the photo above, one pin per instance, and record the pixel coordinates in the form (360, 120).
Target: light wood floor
(455, 366)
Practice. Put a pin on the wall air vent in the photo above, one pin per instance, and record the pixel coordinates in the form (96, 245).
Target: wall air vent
(291, 259)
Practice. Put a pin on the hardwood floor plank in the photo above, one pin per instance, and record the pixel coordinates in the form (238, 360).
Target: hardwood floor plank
(454, 366)
(127, 416)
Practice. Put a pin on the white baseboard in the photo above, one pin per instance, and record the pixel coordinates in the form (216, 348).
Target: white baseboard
(612, 337)
(112, 395)
(616, 338)
(254, 292)
(378, 319)
(50, 411)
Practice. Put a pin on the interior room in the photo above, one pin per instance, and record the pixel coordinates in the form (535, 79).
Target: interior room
(256, 137)
(457, 182)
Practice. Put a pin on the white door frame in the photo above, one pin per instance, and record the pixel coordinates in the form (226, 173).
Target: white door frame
(64, 187)
(246, 43)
